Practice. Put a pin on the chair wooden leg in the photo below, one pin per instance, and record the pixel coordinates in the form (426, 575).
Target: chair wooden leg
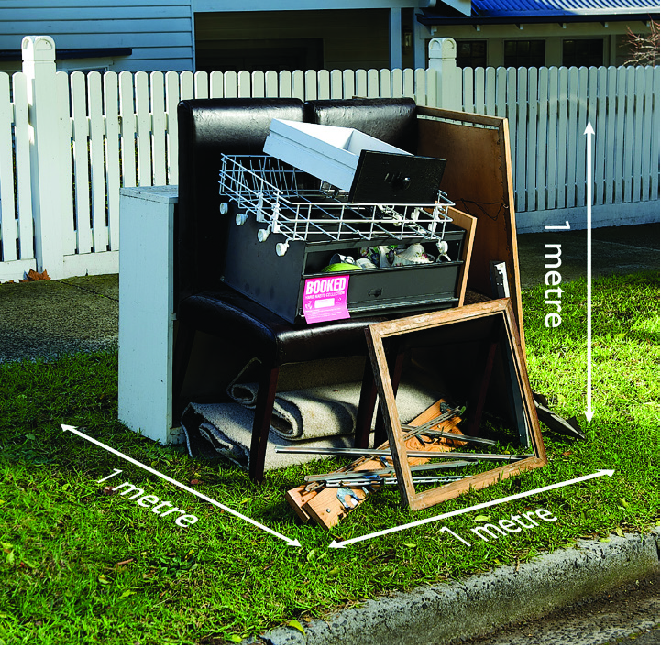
(366, 404)
(268, 384)
(481, 387)
(396, 372)
(180, 357)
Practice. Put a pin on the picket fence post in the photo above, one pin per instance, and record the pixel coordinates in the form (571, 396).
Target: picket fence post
(39, 67)
(443, 61)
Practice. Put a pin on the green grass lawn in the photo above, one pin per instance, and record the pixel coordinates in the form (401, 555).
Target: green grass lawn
(79, 565)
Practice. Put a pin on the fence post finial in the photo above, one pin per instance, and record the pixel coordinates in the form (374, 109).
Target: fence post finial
(443, 60)
(39, 67)
(38, 48)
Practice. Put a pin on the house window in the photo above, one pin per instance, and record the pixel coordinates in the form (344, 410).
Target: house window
(585, 52)
(525, 53)
(472, 53)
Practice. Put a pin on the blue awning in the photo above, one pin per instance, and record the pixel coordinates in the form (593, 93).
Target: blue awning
(540, 11)
(563, 7)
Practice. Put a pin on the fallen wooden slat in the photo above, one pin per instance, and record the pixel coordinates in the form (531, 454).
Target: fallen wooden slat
(327, 509)
(297, 498)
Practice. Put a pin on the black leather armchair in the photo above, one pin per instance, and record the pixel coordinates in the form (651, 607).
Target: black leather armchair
(208, 128)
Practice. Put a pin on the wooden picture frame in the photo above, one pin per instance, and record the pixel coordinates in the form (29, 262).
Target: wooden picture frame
(496, 314)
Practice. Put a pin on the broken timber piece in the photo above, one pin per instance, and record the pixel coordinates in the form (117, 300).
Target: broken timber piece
(297, 498)
(323, 505)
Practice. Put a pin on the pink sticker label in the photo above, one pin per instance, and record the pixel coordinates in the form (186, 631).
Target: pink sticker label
(325, 299)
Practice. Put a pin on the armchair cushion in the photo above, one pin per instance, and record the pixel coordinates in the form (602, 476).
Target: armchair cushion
(262, 333)
(207, 128)
(391, 120)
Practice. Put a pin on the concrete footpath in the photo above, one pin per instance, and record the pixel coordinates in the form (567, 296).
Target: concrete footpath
(49, 318)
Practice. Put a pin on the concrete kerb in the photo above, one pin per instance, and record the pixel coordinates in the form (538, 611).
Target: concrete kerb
(447, 613)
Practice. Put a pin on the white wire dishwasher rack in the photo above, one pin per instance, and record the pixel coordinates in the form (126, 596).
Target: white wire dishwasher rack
(299, 207)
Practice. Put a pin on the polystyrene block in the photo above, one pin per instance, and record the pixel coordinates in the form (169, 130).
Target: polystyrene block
(329, 153)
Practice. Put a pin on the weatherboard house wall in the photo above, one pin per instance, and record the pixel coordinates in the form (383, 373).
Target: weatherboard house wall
(120, 35)
(159, 35)
(163, 35)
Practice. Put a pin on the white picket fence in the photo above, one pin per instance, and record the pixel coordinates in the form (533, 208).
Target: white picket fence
(68, 142)
(548, 110)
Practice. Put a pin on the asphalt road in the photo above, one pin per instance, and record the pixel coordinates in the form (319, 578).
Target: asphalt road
(629, 615)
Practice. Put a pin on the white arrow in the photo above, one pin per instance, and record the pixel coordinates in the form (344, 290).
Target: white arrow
(289, 541)
(589, 132)
(483, 505)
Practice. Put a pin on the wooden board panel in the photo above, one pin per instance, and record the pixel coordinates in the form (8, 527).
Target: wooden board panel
(127, 121)
(97, 156)
(609, 137)
(159, 126)
(531, 142)
(326, 508)
(143, 128)
(542, 148)
(111, 111)
(24, 184)
(520, 113)
(591, 118)
(655, 138)
(297, 498)
(563, 84)
(552, 140)
(478, 179)
(81, 161)
(581, 140)
(637, 174)
(629, 119)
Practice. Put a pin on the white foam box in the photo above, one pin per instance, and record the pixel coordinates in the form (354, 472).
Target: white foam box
(329, 153)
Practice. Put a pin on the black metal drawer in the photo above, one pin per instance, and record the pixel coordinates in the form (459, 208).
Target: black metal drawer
(276, 282)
